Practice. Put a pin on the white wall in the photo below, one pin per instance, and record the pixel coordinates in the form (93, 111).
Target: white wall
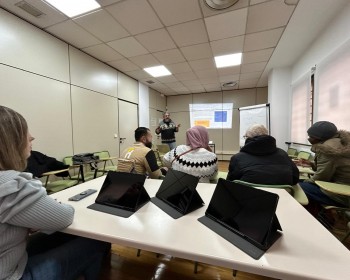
(68, 98)
(279, 88)
(336, 34)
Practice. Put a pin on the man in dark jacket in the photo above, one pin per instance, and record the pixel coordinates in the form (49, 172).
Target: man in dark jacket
(261, 162)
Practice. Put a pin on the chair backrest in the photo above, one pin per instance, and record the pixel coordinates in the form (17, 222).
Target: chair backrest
(292, 152)
(102, 154)
(304, 155)
(126, 165)
(288, 188)
(68, 160)
(163, 149)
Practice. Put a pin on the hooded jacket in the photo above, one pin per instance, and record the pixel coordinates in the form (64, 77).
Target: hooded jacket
(332, 159)
(261, 162)
(24, 205)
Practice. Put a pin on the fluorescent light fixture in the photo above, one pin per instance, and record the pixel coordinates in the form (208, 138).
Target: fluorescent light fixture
(228, 60)
(73, 8)
(157, 71)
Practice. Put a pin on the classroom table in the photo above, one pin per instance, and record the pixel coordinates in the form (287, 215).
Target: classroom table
(306, 249)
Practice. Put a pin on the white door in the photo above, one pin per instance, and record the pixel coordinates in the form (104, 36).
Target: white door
(128, 122)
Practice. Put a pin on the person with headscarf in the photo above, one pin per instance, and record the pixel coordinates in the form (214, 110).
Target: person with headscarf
(332, 162)
(194, 158)
(261, 162)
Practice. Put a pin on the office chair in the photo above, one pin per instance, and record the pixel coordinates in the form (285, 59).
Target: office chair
(61, 184)
(107, 160)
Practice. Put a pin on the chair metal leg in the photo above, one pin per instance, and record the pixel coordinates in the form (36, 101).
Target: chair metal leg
(195, 267)
(138, 252)
(234, 273)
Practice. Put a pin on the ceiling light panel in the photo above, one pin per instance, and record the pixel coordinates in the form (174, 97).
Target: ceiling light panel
(74, 8)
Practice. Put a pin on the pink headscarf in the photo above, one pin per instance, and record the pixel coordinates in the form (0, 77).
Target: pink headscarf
(197, 137)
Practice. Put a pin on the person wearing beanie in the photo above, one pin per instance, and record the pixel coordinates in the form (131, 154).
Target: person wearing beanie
(261, 162)
(194, 158)
(332, 163)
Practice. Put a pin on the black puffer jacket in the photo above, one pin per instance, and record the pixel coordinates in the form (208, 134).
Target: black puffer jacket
(261, 162)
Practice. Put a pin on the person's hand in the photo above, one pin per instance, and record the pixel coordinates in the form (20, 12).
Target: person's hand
(178, 125)
(303, 162)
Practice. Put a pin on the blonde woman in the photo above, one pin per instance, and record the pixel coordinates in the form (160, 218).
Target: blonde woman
(25, 208)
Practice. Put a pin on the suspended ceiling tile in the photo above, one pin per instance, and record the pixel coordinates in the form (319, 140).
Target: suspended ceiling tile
(136, 16)
(103, 52)
(207, 11)
(99, 24)
(139, 74)
(173, 12)
(181, 67)
(227, 46)
(195, 52)
(250, 76)
(203, 64)
(157, 40)
(128, 47)
(205, 74)
(175, 85)
(227, 25)
(209, 80)
(257, 56)
(145, 60)
(262, 40)
(254, 2)
(191, 83)
(169, 56)
(268, 15)
(212, 87)
(107, 2)
(73, 34)
(253, 67)
(229, 70)
(189, 33)
(167, 79)
(247, 84)
(124, 65)
(50, 16)
(229, 78)
(187, 76)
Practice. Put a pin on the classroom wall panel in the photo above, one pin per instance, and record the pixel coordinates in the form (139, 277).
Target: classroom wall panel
(92, 74)
(208, 97)
(128, 88)
(45, 104)
(26, 47)
(161, 102)
(261, 95)
(95, 122)
(152, 98)
(179, 103)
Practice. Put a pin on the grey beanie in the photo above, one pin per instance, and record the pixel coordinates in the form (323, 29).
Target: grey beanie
(322, 130)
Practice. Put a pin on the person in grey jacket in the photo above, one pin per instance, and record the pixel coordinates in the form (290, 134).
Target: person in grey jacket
(27, 212)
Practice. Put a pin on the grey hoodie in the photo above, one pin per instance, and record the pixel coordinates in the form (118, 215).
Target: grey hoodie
(25, 205)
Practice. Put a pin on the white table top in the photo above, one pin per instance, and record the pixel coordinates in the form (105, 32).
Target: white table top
(306, 249)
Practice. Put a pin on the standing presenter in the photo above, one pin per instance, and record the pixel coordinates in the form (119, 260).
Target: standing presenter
(167, 129)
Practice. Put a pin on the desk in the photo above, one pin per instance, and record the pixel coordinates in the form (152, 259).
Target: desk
(334, 187)
(306, 249)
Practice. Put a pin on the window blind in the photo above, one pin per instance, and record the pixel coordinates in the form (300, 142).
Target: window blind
(332, 88)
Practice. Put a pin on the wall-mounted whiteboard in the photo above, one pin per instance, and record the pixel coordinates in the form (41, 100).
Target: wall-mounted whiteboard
(258, 114)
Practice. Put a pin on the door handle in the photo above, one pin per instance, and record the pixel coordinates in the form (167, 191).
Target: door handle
(121, 140)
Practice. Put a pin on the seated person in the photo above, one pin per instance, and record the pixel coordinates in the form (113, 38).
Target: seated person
(332, 162)
(142, 154)
(26, 208)
(194, 158)
(38, 163)
(261, 162)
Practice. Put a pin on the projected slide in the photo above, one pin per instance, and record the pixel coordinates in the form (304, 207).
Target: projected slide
(211, 115)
